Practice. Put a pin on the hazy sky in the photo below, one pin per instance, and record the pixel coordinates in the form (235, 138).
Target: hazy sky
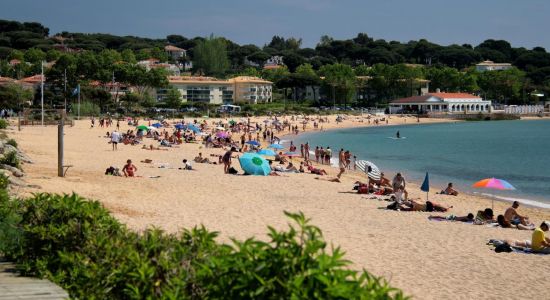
(444, 22)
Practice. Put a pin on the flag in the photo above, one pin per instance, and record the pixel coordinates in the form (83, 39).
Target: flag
(426, 184)
(76, 90)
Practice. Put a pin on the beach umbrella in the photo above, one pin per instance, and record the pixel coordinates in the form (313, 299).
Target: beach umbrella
(179, 126)
(426, 185)
(222, 134)
(368, 167)
(254, 164)
(276, 146)
(267, 152)
(292, 154)
(253, 143)
(192, 127)
(157, 125)
(232, 122)
(142, 127)
(495, 184)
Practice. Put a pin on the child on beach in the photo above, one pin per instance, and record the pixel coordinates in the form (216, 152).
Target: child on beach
(129, 169)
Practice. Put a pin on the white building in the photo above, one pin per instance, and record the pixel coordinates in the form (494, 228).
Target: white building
(442, 103)
(492, 66)
(153, 63)
(175, 52)
(243, 89)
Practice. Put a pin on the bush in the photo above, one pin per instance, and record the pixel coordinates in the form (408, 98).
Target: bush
(10, 159)
(12, 142)
(4, 124)
(77, 244)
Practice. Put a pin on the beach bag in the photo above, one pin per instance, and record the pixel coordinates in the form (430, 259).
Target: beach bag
(503, 248)
(363, 189)
(393, 206)
(232, 171)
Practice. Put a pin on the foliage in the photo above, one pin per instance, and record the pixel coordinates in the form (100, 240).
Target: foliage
(87, 108)
(13, 96)
(173, 98)
(210, 56)
(4, 123)
(10, 159)
(12, 142)
(77, 244)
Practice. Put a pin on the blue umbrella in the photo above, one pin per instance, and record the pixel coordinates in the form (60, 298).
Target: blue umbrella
(157, 125)
(193, 128)
(426, 185)
(253, 143)
(267, 152)
(253, 164)
(179, 126)
(276, 146)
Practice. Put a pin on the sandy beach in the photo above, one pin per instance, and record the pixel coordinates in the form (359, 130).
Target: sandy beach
(427, 259)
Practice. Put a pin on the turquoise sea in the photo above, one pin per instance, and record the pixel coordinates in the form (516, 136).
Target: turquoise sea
(462, 153)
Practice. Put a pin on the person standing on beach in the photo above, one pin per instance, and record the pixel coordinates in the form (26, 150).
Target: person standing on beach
(399, 184)
(317, 154)
(347, 156)
(328, 155)
(341, 163)
(306, 151)
(226, 159)
(302, 150)
(115, 139)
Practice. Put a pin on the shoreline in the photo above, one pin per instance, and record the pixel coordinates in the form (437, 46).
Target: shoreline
(528, 202)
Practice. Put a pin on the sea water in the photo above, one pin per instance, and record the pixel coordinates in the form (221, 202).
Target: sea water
(461, 153)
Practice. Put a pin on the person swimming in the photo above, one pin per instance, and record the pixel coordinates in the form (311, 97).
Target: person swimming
(397, 135)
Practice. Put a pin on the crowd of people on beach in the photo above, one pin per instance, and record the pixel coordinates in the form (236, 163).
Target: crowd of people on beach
(253, 138)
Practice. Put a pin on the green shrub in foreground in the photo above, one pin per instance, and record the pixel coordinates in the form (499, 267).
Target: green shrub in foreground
(12, 142)
(10, 159)
(4, 124)
(77, 244)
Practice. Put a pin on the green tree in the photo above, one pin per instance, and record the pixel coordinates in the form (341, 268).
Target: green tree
(173, 98)
(210, 57)
(14, 96)
(341, 80)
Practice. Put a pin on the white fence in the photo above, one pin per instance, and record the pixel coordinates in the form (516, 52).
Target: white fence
(524, 109)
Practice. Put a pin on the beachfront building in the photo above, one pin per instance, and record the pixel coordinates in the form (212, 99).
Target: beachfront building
(243, 89)
(441, 103)
(492, 66)
(252, 90)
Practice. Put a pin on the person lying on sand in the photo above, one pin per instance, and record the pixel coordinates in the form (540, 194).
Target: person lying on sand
(151, 147)
(512, 216)
(329, 179)
(317, 171)
(430, 206)
(449, 190)
(201, 160)
(129, 169)
(468, 218)
(501, 220)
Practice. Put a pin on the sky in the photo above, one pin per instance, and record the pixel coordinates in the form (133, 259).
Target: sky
(443, 22)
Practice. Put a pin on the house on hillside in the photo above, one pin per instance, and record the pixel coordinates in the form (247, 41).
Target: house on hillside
(441, 103)
(175, 52)
(492, 66)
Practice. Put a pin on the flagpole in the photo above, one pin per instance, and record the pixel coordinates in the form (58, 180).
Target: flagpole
(78, 101)
(42, 91)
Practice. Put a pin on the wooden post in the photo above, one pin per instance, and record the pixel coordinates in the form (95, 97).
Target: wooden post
(60, 148)
(19, 121)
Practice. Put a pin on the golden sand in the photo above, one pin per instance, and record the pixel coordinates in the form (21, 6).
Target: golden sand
(427, 259)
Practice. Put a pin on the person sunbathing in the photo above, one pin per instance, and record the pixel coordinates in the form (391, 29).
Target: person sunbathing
(484, 217)
(201, 160)
(468, 218)
(317, 171)
(449, 190)
(501, 220)
(291, 168)
(430, 206)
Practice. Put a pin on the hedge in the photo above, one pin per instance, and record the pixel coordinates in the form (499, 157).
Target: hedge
(77, 244)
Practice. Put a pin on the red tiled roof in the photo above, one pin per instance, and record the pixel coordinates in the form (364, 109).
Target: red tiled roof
(33, 79)
(413, 99)
(453, 95)
(173, 48)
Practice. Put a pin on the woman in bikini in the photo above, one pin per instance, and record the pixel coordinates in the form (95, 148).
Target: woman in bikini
(129, 169)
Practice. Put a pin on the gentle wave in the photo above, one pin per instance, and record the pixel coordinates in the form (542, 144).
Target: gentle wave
(527, 202)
